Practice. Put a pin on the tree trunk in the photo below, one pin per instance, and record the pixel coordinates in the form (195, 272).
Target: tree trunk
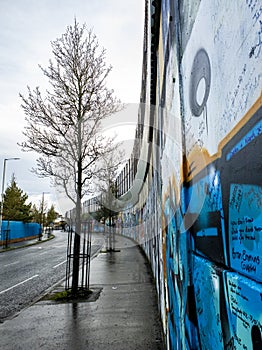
(110, 231)
(77, 239)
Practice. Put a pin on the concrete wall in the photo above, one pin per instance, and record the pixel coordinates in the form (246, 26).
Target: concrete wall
(197, 213)
(191, 193)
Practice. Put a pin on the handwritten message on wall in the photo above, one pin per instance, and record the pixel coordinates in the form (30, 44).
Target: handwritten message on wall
(245, 316)
(245, 230)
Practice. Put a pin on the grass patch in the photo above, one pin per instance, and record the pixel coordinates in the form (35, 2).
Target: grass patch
(66, 296)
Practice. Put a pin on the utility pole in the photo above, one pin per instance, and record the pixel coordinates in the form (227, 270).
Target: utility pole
(42, 215)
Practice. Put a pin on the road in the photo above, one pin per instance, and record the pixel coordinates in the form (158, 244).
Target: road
(26, 273)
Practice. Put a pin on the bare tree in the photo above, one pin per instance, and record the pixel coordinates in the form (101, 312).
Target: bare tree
(106, 186)
(64, 126)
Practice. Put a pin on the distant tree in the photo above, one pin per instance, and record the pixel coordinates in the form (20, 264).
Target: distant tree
(14, 204)
(64, 127)
(43, 216)
(36, 214)
(39, 212)
(106, 185)
(52, 215)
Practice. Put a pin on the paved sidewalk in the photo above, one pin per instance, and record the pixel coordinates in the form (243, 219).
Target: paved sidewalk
(26, 242)
(125, 316)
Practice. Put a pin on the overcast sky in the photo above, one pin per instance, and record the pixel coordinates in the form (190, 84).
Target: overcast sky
(26, 29)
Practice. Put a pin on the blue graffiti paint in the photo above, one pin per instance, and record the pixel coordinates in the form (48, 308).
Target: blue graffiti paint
(243, 301)
(207, 293)
(245, 229)
(250, 136)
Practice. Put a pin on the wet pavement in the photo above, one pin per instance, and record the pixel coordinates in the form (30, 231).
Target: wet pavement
(125, 316)
(27, 242)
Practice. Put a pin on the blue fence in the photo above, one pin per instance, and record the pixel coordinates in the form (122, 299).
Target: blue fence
(19, 230)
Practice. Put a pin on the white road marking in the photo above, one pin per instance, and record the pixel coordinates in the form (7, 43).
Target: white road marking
(18, 284)
(45, 252)
(59, 264)
(13, 263)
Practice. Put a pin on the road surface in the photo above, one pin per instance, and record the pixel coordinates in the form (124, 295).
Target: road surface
(27, 273)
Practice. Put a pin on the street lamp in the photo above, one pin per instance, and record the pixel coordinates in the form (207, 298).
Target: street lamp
(2, 193)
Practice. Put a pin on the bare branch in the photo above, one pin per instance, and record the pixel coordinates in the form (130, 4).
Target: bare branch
(64, 126)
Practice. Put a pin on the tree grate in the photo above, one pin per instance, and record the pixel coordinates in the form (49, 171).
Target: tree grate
(83, 256)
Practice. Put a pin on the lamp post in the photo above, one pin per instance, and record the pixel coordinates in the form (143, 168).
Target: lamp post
(2, 193)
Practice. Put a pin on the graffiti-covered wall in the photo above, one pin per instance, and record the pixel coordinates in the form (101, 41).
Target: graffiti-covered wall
(196, 205)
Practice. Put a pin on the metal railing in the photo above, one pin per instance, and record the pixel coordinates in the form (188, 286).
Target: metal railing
(84, 257)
